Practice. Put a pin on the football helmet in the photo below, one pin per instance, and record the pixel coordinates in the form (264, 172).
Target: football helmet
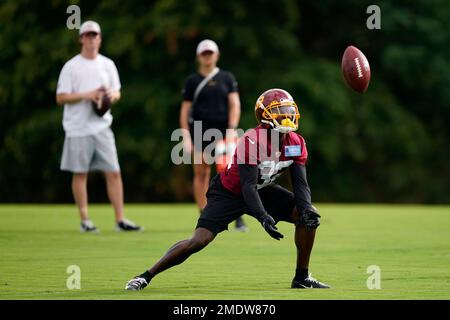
(277, 108)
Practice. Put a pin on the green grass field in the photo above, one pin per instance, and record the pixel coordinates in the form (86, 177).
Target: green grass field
(411, 245)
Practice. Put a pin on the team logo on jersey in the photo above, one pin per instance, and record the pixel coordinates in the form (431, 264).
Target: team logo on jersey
(293, 151)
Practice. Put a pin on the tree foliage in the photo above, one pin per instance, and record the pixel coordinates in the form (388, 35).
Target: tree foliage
(390, 144)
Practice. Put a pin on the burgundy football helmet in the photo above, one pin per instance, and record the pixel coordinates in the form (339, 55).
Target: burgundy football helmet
(277, 108)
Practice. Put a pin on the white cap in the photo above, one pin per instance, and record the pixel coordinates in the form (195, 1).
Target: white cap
(89, 26)
(207, 45)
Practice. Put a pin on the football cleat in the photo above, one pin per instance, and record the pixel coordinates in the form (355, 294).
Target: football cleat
(240, 225)
(127, 225)
(136, 284)
(308, 283)
(88, 226)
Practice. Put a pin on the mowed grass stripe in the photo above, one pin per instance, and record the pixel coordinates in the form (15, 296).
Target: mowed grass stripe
(409, 243)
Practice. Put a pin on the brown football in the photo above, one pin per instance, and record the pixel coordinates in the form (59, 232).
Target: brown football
(355, 69)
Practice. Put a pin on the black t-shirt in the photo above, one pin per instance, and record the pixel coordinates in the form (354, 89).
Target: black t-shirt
(212, 102)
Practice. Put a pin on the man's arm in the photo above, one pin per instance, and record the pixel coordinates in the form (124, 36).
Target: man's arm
(248, 175)
(63, 98)
(234, 110)
(114, 96)
(184, 124)
(302, 193)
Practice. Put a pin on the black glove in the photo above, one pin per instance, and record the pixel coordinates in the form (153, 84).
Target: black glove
(269, 225)
(310, 218)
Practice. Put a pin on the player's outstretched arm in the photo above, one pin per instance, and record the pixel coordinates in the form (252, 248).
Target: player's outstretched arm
(248, 175)
(309, 216)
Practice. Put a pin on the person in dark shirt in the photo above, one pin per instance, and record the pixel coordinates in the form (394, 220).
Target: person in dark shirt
(210, 101)
(248, 186)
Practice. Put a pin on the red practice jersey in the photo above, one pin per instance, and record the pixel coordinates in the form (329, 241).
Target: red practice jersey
(261, 147)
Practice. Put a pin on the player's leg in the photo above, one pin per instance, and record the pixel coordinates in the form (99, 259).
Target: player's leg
(240, 225)
(201, 170)
(79, 190)
(105, 159)
(176, 254)
(304, 241)
(280, 204)
(202, 173)
(114, 188)
(221, 209)
(76, 157)
(182, 250)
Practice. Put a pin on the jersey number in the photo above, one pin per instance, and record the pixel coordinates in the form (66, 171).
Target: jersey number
(270, 171)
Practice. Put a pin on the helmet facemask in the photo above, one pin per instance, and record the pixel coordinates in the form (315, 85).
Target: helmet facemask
(281, 116)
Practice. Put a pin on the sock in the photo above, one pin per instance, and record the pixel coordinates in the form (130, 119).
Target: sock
(147, 276)
(301, 273)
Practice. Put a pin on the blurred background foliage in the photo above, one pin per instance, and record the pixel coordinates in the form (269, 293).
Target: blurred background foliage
(388, 145)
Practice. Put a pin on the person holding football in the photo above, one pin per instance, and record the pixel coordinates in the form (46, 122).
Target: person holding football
(87, 85)
(210, 101)
(248, 186)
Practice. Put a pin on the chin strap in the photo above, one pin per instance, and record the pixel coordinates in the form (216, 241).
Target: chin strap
(286, 126)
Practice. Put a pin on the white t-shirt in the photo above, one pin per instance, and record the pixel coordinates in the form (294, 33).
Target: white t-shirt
(80, 74)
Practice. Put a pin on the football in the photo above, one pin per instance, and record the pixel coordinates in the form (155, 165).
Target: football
(355, 69)
(103, 106)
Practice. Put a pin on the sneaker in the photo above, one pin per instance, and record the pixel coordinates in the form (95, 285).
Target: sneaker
(135, 284)
(127, 225)
(240, 225)
(88, 226)
(307, 283)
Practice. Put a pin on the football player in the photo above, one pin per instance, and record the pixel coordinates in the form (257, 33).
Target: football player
(248, 186)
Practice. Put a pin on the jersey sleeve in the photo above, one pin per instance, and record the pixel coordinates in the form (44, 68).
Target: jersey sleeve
(188, 90)
(302, 192)
(64, 81)
(248, 177)
(232, 83)
(247, 149)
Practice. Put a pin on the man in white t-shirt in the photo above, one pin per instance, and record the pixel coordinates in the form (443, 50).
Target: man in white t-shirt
(89, 144)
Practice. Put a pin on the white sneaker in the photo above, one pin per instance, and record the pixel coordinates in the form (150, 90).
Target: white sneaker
(127, 225)
(88, 226)
(136, 284)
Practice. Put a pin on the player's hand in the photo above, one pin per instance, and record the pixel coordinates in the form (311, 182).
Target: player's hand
(269, 225)
(310, 218)
(112, 95)
(95, 95)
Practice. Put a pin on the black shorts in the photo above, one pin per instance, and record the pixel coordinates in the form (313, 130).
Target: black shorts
(224, 206)
(221, 126)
